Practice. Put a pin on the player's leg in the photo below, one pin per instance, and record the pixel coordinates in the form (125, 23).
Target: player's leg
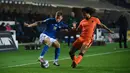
(72, 53)
(125, 38)
(44, 39)
(83, 49)
(76, 45)
(120, 38)
(56, 44)
(80, 56)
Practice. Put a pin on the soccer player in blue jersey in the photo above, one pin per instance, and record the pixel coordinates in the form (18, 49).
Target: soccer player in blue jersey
(48, 37)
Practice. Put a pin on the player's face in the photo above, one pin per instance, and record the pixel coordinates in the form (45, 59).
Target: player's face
(86, 15)
(59, 18)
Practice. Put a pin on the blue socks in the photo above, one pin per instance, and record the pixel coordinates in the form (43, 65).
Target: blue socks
(45, 49)
(57, 53)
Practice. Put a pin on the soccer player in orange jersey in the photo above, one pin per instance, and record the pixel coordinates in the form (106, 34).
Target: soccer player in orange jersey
(87, 27)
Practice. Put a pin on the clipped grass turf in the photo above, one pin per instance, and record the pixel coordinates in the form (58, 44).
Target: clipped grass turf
(98, 59)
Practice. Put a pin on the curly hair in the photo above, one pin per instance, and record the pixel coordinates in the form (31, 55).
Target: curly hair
(89, 10)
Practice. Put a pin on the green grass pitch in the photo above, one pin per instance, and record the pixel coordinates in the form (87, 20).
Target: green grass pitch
(98, 59)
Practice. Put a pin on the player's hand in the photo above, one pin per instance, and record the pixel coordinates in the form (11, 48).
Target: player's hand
(111, 32)
(25, 24)
(38, 22)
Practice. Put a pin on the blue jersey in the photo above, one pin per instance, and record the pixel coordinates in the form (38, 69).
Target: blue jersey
(52, 27)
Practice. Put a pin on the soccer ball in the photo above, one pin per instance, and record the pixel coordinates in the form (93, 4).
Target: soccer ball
(45, 64)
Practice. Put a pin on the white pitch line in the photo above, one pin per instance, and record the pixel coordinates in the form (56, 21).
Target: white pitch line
(68, 58)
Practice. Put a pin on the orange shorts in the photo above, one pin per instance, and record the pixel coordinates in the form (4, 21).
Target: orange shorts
(78, 43)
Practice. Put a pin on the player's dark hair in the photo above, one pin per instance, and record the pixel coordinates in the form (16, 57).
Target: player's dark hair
(89, 10)
(59, 13)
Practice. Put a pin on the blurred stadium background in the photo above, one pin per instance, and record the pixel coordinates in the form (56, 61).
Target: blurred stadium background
(104, 56)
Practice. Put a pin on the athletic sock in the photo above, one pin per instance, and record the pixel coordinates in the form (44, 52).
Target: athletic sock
(45, 49)
(57, 53)
(79, 58)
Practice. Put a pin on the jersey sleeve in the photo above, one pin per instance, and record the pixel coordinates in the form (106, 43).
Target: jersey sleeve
(47, 20)
(63, 25)
(98, 21)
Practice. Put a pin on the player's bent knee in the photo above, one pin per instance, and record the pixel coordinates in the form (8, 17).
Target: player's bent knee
(56, 44)
(48, 43)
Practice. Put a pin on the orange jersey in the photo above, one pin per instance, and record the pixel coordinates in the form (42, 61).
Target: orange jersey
(88, 26)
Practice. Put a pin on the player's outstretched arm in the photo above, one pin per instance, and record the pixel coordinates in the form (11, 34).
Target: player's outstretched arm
(41, 21)
(105, 27)
(33, 24)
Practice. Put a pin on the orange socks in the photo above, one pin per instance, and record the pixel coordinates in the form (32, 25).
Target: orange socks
(74, 58)
(78, 59)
